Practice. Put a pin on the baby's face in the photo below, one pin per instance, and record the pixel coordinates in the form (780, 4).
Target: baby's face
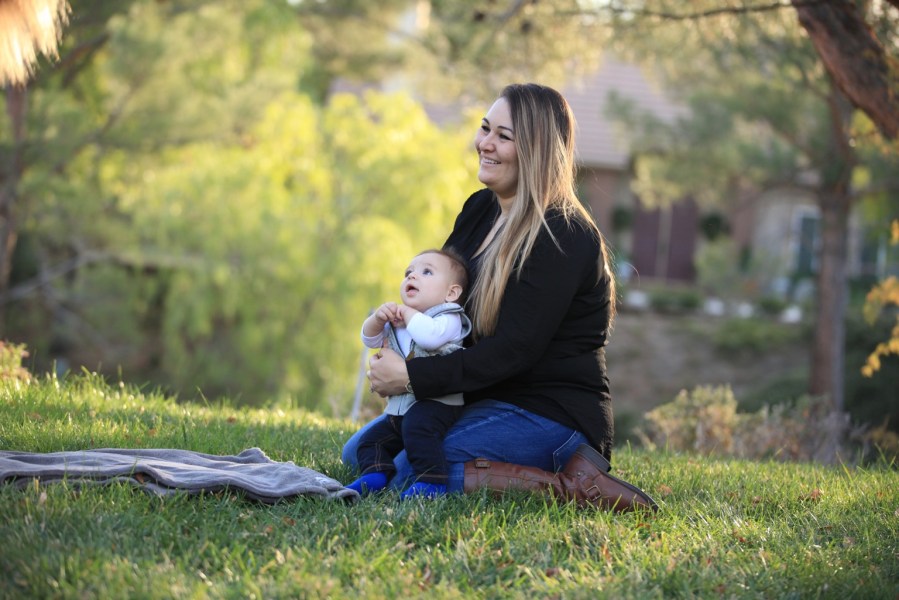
(429, 281)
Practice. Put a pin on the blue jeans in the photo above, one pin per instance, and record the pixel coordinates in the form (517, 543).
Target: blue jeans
(489, 429)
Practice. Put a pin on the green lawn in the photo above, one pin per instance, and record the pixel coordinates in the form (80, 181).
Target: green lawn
(726, 528)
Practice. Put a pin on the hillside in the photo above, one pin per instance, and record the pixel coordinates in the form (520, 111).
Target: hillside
(651, 357)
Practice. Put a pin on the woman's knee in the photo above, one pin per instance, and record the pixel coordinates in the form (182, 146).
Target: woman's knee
(506, 433)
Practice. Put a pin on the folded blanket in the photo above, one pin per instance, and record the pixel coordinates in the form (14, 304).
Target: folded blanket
(165, 471)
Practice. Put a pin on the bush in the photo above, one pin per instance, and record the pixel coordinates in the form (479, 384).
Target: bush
(11, 356)
(702, 420)
(705, 420)
(772, 306)
(675, 300)
(871, 399)
(753, 336)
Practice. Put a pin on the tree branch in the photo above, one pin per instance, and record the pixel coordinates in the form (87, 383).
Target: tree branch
(855, 59)
(704, 14)
(84, 259)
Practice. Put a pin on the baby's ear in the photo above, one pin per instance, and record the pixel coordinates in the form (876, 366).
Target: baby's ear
(453, 293)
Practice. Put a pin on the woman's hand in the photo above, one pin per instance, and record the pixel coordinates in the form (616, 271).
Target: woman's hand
(387, 373)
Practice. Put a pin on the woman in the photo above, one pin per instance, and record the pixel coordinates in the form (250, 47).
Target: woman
(538, 410)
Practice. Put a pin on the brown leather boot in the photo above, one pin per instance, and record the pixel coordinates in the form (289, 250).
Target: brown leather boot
(593, 485)
(583, 480)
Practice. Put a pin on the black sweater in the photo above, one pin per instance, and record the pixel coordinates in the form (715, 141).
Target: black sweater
(546, 354)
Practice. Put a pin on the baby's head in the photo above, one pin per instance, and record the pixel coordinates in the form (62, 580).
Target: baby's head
(434, 277)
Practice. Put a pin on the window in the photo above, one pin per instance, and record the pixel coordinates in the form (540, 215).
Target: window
(806, 240)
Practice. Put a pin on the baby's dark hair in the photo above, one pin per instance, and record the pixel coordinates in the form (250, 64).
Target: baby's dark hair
(457, 264)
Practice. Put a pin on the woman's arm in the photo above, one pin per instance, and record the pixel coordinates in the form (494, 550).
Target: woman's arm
(532, 310)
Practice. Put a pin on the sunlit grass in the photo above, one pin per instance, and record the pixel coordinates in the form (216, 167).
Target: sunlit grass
(727, 528)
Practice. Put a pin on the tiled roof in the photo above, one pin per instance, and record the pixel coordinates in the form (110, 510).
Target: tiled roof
(601, 143)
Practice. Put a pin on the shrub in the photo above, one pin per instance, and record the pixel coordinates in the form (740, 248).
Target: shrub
(701, 420)
(753, 336)
(675, 300)
(11, 356)
(772, 306)
(705, 420)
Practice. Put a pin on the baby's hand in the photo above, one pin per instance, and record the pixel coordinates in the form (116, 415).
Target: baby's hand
(386, 313)
(404, 314)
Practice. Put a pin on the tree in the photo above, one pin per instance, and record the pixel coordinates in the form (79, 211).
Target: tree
(199, 221)
(18, 148)
(461, 50)
(855, 54)
(855, 39)
(763, 113)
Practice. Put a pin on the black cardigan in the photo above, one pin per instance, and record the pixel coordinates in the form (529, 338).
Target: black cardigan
(546, 354)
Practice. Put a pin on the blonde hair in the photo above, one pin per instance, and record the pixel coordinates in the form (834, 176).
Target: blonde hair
(544, 142)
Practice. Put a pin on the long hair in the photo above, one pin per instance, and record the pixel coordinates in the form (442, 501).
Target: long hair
(544, 141)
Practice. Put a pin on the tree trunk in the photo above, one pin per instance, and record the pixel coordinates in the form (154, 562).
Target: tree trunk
(834, 201)
(830, 335)
(16, 103)
(855, 59)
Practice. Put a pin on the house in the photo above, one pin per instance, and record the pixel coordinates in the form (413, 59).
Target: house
(659, 243)
(778, 229)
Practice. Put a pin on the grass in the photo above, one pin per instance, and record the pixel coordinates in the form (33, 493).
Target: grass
(726, 528)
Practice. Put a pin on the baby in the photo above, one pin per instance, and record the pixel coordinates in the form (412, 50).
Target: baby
(429, 321)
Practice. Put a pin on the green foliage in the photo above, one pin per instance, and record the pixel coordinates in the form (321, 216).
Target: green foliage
(717, 268)
(753, 113)
(705, 420)
(229, 234)
(701, 420)
(674, 300)
(883, 296)
(772, 306)
(11, 357)
(447, 50)
(754, 336)
(871, 399)
(474, 48)
(727, 527)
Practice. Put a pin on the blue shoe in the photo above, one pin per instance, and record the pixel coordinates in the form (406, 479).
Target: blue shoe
(369, 483)
(424, 490)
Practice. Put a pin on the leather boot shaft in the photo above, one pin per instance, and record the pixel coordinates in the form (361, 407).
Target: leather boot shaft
(584, 480)
(483, 474)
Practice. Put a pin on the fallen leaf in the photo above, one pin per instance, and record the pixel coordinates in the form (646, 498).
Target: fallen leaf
(606, 555)
(425, 578)
(664, 490)
(813, 496)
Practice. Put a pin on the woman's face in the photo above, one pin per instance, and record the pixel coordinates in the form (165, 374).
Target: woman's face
(495, 143)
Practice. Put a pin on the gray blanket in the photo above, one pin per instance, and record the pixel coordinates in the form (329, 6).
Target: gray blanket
(163, 472)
